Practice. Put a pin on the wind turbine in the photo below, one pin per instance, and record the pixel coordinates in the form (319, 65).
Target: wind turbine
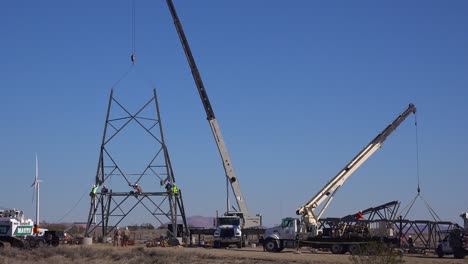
(36, 190)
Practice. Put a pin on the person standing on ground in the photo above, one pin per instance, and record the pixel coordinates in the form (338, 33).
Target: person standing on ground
(116, 237)
(410, 242)
(126, 237)
(36, 230)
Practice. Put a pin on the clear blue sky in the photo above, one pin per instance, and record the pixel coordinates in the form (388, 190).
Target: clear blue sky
(298, 88)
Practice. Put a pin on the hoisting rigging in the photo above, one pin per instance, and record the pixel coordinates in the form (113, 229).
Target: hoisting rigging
(405, 211)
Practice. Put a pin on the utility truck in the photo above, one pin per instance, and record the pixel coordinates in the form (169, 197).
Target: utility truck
(455, 242)
(228, 231)
(304, 231)
(15, 230)
(240, 218)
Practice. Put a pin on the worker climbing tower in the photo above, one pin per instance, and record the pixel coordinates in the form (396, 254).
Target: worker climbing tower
(117, 191)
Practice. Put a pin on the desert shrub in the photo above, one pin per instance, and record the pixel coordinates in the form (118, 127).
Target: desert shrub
(377, 253)
(138, 250)
(100, 254)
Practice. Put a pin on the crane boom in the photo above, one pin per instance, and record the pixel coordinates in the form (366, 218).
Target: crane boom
(227, 163)
(329, 190)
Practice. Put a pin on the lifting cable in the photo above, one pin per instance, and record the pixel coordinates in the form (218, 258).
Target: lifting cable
(133, 56)
(71, 209)
(417, 149)
(133, 49)
(407, 209)
(133, 59)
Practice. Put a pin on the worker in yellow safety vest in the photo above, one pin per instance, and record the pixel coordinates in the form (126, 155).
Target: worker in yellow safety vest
(175, 190)
(93, 190)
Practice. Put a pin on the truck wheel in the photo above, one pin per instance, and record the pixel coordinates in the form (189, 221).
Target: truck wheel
(336, 249)
(439, 251)
(17, 243)
(459, 253)
(55, 243)
(216, 244)
(241, 243)
(354, 249)
(32, 243)
(41, 243)
(270, 245)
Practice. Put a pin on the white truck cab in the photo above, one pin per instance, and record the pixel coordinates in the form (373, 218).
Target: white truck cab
(228, 231)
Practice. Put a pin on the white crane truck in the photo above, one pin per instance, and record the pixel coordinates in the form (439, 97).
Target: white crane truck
(229, 226)
(15, 230)
(304, 231)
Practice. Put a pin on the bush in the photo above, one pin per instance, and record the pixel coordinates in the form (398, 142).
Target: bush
(377, 253)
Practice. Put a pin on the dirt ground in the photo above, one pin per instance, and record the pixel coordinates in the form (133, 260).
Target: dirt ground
(257, 255)
(139, 254)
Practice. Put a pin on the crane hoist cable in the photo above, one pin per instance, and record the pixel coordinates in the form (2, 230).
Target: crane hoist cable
(133, 41)
(142, 73)
(417, 149)
(408, 208)
(133, 56)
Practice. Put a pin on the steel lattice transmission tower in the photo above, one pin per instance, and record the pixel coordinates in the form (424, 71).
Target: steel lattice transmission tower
(116, 192)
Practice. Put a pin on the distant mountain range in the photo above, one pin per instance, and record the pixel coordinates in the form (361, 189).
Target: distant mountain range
(192, 221)
(203, 222)
(196, 221)
(200, 221)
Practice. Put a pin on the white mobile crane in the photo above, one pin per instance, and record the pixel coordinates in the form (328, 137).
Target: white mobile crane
(15, 229)
(228, 226)
(295, 232)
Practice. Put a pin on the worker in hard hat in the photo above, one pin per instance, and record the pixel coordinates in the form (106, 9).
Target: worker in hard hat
(93, 190)
(137, 188)
(126, 237)
(359, 215)
(410, 242)
(117, 235)
(36, 230)
(171, 187)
